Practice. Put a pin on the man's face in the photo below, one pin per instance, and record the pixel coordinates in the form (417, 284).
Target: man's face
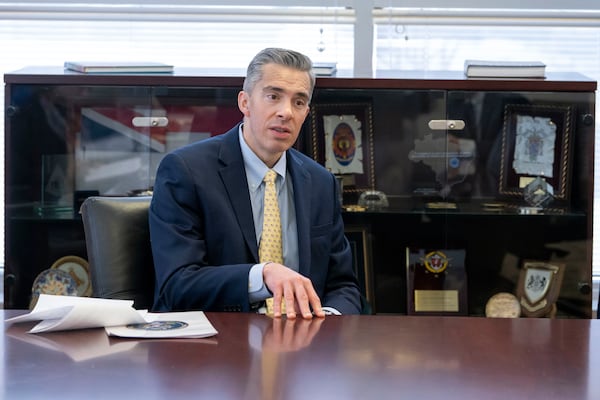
(274, 111)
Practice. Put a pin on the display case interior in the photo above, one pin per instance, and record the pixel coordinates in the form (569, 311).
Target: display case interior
(443, 167)
(491, 173)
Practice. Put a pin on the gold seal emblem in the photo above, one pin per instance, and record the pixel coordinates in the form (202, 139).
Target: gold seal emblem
(436, 262)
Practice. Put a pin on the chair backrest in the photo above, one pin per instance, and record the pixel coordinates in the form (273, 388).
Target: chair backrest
(118, 246)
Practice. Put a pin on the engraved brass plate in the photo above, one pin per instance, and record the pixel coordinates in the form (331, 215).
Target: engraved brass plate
(436, 301)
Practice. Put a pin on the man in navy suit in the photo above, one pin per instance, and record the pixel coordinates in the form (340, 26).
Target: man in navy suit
(206, 211)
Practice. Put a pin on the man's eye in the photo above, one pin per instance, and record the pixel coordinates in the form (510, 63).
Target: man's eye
(272, 96)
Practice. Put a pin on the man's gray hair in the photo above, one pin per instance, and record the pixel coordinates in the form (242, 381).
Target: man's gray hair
(272, 55)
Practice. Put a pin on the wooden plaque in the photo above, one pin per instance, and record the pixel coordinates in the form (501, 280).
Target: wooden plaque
(436, 282)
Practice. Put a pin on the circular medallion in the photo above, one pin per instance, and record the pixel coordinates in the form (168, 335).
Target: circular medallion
(503, 305)
(78, 269)
(159, 325)
(52, 281)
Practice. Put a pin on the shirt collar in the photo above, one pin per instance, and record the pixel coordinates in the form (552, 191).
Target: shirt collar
(255, 168)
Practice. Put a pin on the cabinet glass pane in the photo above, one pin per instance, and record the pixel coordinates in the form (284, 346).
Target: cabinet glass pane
(445, 161)
(67, 142)
(105, 140)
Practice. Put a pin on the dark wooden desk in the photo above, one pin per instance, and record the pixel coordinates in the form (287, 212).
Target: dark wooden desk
(349, 357)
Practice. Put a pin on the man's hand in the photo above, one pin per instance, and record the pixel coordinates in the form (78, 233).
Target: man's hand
(294, 289)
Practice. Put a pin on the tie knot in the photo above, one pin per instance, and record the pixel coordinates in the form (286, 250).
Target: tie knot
(270, 176)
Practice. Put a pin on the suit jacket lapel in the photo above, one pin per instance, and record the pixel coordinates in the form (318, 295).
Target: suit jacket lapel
(302, 194)
(234, 178)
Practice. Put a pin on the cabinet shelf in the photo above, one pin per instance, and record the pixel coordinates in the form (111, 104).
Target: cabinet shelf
(476, 213)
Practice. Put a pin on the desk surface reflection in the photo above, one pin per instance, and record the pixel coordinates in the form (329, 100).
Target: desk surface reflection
(347, 357)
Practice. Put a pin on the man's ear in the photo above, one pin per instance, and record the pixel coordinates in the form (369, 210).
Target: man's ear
(243, 102)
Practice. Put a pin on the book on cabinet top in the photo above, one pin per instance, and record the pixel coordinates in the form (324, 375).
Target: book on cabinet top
(504, 69)
(112, 67)
(324, 68)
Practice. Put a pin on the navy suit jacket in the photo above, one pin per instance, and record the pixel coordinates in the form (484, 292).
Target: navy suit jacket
(203, 236)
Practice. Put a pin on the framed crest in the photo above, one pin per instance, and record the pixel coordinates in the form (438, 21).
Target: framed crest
(539, 287)
(536, 142)
(342, 141)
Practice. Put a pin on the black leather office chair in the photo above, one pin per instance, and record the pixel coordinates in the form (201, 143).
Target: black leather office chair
(118, 245)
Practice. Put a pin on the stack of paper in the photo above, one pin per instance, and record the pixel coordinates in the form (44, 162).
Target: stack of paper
(118, 317)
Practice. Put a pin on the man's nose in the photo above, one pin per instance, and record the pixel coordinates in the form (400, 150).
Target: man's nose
(285, 110)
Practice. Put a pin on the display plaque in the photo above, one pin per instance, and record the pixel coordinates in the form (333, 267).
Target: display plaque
(436, 282)
(538, 288)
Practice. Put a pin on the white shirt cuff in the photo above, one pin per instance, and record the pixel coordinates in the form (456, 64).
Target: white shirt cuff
(331, 311)
(257, 290)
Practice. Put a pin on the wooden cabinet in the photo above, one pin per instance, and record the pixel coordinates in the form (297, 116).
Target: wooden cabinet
(427, 161)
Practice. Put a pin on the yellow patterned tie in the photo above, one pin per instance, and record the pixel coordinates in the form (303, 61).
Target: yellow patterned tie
(270, 242)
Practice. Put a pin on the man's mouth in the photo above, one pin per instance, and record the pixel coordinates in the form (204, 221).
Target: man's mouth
(280, 129)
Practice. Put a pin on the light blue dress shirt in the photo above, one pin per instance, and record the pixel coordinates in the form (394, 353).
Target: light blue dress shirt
(255, 172)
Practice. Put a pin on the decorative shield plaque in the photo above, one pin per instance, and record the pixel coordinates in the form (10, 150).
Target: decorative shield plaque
(437, 282)
(539, 287)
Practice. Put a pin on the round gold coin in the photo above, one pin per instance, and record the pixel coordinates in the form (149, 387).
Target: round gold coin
(503, 305)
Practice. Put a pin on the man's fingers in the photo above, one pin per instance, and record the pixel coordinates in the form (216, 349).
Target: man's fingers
(315, 303)
(290, 301)
(292, 293)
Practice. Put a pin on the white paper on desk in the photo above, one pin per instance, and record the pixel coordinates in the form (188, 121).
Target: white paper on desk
(59, 313)
(195, 325)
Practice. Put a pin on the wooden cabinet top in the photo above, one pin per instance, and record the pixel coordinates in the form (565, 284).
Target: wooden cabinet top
(409, 80)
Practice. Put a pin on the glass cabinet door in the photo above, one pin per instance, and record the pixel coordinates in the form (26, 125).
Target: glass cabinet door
(444, 164)
(68, 142)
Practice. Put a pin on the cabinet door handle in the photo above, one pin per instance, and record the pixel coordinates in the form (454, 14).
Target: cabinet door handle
(446, 124)
(150, 122)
